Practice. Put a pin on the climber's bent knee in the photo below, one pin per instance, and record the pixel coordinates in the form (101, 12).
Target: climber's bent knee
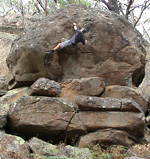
(63, 39)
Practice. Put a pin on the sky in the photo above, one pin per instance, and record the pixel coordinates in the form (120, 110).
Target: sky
(25, 1)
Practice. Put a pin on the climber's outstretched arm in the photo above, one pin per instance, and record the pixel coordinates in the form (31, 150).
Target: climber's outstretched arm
(85, 41)
(75, 26)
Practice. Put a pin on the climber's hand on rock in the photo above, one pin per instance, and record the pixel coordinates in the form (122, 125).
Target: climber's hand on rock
(85, 41)
(74, 24)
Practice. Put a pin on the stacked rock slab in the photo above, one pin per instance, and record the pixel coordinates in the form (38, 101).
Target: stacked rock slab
(57, 118)
(109, 121)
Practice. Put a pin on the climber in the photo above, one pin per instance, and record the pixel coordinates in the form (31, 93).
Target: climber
(78, 37)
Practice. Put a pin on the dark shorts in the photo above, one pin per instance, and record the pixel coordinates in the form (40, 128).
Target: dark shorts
(66, 43)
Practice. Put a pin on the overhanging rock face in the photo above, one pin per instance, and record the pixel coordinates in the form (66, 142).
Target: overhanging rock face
(115, 50)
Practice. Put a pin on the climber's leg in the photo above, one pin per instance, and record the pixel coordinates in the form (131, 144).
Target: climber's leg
(65, 43)
(60, 45)
(54, 49)
(57, 47)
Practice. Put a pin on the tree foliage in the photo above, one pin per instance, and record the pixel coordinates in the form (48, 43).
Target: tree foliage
(127, 8)
(133, 10)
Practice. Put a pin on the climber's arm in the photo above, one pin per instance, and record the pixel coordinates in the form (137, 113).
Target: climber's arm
(85, 42)
(75, 26)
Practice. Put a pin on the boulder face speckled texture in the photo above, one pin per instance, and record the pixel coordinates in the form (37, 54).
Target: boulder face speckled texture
(115, 50)
(13, 147)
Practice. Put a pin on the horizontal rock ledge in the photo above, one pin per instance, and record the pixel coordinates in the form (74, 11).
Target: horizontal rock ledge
(130, 122)
(89, 103)
(120, 92)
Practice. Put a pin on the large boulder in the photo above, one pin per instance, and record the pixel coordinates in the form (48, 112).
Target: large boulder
(115, 50)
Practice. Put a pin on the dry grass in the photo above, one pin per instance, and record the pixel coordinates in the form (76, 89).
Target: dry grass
(112, 152)
(121, 152)
(142, 151)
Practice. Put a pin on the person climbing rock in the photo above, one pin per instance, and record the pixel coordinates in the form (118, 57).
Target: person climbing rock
(78, 37)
